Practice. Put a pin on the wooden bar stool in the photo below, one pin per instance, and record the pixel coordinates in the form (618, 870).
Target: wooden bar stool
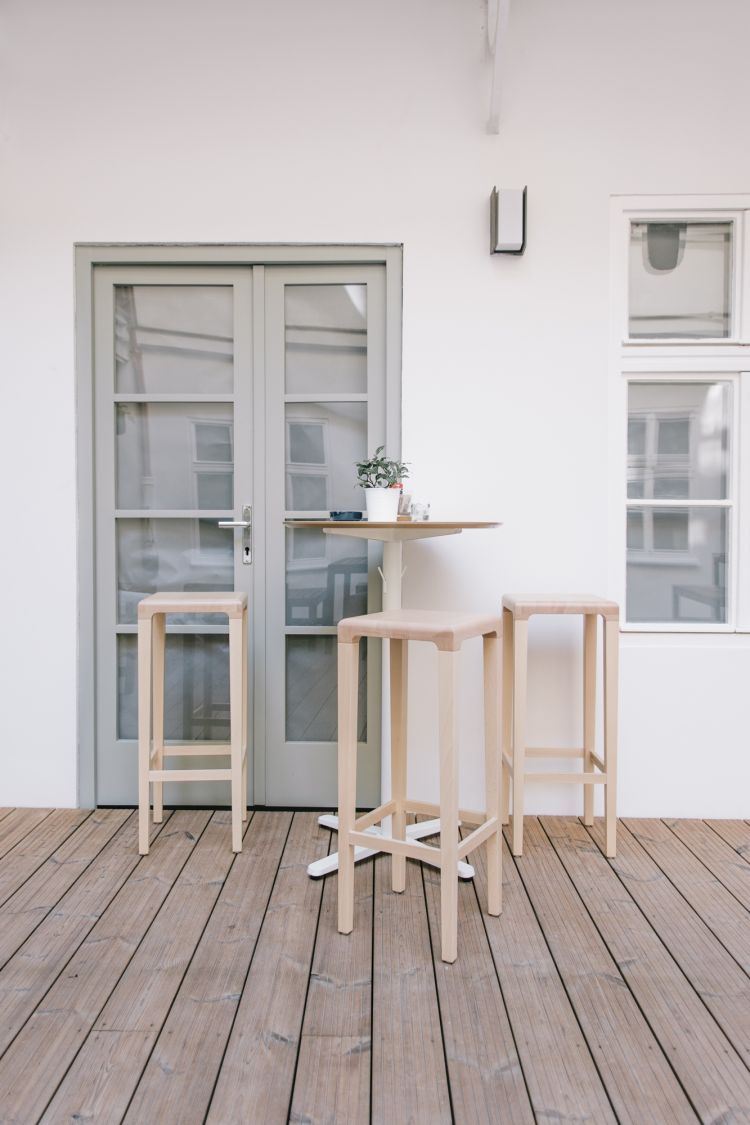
(152, 614)
(517, 609)
(447, 631)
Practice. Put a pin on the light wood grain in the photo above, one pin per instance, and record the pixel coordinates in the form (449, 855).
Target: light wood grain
(105, 1073)
(178, 1081)
(409, 1077)
(258, 1070)
(18, 824)
(37, 846)
(40, 1055)
(710, 1071)
(713, 972)
(732, 871)
(332, 1083)
(559, 1070)
(639, 1080)
(736, 833)
(484, 1070)
(718, 908)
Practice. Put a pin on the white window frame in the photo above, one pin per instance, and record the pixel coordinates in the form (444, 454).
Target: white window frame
(683, 360)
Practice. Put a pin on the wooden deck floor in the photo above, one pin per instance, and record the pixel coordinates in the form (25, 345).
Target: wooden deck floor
(192, 985)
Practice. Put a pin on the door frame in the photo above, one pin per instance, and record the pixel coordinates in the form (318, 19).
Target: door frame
(89, 256)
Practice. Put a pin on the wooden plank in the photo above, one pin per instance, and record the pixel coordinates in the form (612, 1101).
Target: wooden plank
(179, 1078)
(640, 1083)
(31, 903)
(39, 1056)
(332, 1082)
(40, 959)
(736, 833)
(31, 852)
(561, 1076)
(732, 871)
(409, 1077)
(17, 824)
(105, 1073)
(484, 1070)
(257, 1074)
(713, 972)
(711, 1072)
(721, 912)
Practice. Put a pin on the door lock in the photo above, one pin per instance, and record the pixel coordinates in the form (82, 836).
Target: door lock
(246, 523)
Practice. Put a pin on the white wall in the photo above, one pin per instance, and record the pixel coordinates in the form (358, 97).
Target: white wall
(336, 121)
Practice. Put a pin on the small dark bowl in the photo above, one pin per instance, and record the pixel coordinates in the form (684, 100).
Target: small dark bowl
(347, 516)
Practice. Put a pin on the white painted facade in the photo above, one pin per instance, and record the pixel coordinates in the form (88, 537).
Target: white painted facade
(341, 122)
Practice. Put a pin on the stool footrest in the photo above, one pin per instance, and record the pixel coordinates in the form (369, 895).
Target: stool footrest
(426, 808)
(190, 775)
(553, 752)
(478, 836)
(374, 817)
(196, 749)
(568, 778)
(412, 849)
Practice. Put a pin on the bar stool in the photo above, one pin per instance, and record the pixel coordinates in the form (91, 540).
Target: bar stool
(152, 614)
(447, 631)
(517, 609)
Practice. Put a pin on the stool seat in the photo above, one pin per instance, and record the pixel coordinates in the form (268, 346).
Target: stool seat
(193, 601)
(152, 748)
(445, 629)
(523, 606)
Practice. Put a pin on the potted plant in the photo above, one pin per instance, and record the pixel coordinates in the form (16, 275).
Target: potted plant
(381, 477)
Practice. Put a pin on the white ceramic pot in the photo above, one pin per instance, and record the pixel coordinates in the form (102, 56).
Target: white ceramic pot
(382, 504)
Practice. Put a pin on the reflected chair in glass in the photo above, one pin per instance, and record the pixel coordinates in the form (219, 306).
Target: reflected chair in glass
(152, 615)
(517, 609)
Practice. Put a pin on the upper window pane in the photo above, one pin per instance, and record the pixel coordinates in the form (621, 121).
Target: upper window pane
(174, 339)
(680, 280)
(326, 339)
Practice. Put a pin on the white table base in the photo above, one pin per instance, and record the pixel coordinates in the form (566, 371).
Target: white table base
(330, 863)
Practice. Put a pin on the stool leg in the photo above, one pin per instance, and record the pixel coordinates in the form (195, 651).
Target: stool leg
(611, 653)
(245, 734)
(492, 771)
(144, 730)
(158, 644)
(399, 659)
(448, 746)
(236, 687)
(507, 712)
(520, 654)
(348, 667)
(589, 709)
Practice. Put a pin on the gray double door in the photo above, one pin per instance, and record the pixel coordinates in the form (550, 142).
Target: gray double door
(236, 394)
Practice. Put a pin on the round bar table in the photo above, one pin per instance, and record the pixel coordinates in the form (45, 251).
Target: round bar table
(392, 535)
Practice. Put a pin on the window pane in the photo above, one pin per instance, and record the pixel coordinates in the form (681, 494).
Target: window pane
(676, 568)
(336, 434)
(311, 701)
(326, 338)
(685, 448)
(173, 339)
(326, 577)
(159, 447)
(196, 676)
(171, 554)
(680, 279)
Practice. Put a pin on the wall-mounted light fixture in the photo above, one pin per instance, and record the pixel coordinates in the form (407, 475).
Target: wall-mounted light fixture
(508, 221)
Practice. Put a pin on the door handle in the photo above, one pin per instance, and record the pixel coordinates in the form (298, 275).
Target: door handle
(246, 523)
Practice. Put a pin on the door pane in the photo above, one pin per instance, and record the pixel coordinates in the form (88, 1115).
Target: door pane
(171, 554)
(174, 339)
(676, 567)
(325, 338)
(311, 700)
(323, 442)
(174, 455)
(326, 577)
(680, 279)
(196, 692)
